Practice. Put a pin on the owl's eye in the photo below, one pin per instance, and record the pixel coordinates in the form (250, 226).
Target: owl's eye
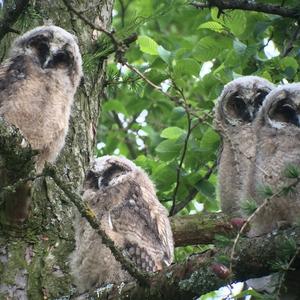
(61, 58)
(285, 112)
(112, 172)
(41, 44)
(237, 108)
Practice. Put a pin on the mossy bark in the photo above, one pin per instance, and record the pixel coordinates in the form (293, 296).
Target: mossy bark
(34, 255)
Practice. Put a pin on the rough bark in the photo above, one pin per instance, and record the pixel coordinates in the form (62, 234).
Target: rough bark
(34, 256)
(199, 228)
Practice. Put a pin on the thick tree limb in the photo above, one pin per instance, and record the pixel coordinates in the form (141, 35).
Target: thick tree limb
(201, 273)
(11, 15)
(199, 228)
(293, 13)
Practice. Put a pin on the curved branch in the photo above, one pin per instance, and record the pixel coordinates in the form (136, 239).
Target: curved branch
(203, 273)
(200, 228)
(286, 12)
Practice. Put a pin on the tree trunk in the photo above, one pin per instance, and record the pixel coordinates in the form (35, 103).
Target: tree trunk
(34, 256)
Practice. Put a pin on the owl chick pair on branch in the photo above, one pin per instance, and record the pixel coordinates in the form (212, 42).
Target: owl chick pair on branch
(37, 86)
(260, 127)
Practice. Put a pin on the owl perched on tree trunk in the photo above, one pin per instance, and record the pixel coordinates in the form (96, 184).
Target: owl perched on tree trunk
(124, 201)
(236, 109)
(37, 86)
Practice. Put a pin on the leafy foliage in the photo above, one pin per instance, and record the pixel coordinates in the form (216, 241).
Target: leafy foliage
(190, 54)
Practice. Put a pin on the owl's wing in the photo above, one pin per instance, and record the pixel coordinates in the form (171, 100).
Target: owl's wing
(139, 224)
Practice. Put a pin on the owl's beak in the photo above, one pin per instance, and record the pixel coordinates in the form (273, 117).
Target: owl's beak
(59, 58)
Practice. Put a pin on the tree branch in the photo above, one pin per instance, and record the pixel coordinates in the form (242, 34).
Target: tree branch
(203, 273)
(293, 13)
(11, 15)
(200, 228)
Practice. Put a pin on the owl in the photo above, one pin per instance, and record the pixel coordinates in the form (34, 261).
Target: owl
(277, 128)
(37, 86)
(236, 109)
(123, 199)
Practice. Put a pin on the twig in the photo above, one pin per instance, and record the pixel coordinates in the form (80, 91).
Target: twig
(11, 15)
(186, 141)
(117, 82)
(286, 12)
(255, 213)
(89, 215)
(267, 43)
(156, 87)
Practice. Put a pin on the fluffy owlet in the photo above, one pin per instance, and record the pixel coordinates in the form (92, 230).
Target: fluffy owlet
(124, 201)
(277, 130)
(37, 86)
(236, 109)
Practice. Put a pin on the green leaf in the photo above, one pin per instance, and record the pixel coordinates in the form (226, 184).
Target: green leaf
(164, 176)
(168, 149)
(289, 65)
(147, 45)
(206, 189)
(207, 49)
(209, 140)
(114, 105)
(164, 54)
(236, 21)
(172, 133)
(212, 25)
(187, 66)
(239, 47)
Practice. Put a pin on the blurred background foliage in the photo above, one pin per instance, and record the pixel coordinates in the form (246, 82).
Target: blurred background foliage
(191, 54)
